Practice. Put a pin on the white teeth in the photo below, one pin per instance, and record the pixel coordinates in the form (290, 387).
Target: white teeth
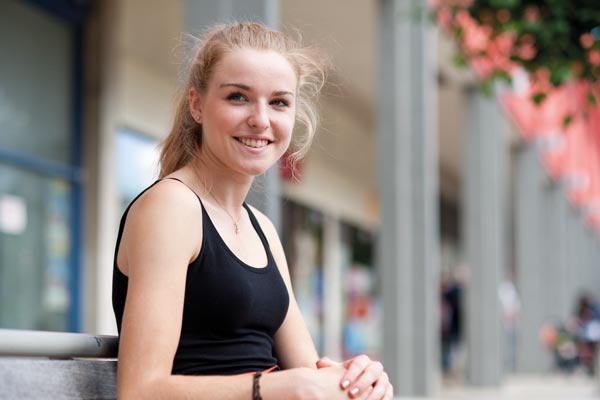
(254, 142)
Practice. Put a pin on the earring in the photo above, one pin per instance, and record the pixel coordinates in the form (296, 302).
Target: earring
(198, 118)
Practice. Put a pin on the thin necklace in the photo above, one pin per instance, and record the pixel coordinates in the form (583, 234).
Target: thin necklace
(236, 227)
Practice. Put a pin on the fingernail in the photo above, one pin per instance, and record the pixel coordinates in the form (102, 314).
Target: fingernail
(346, 383)
(354, 391)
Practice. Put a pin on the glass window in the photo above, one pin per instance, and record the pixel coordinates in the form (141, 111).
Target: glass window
(363, 316)
(35, 251)
(38, 196)
(36, 82)
(137, 164)
(303, 243)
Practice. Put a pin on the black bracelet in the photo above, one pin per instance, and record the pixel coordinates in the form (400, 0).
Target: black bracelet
(256, 387)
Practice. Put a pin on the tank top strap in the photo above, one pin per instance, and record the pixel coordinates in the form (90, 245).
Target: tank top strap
(192, 190)
(257, 228)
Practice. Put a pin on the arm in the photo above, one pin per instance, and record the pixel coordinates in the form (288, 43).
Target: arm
(157, 245)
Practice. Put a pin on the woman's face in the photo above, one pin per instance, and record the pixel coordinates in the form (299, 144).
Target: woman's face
(248, 110)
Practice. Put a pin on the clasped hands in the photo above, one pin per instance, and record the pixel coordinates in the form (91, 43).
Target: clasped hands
(364, 378)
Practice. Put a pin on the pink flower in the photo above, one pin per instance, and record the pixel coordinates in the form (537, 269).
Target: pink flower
(586, 40)
(527, 51)
(532, 14)
(528, 38)
(540, 81)
(482, 66)
(475, 39)
(444, 18)
(594, 57)
(500, 50)
(505, 43)
(464, 20)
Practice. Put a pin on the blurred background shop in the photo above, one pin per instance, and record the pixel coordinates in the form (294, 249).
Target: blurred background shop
(413, 232)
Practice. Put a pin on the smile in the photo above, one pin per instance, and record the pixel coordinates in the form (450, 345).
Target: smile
(255, 143)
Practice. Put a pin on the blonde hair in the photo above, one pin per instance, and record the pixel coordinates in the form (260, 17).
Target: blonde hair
(185, 138)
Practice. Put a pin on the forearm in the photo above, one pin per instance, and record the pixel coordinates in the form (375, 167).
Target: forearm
(274, 386)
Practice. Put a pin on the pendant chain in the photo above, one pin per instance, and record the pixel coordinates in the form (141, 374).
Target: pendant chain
(236, 227)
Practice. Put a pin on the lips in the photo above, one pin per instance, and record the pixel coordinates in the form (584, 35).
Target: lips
(254, 143)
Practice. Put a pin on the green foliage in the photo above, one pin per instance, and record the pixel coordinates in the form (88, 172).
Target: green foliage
(556, 27)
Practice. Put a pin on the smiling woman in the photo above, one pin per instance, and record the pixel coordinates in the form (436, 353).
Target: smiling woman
(201, 288)
(247, 111)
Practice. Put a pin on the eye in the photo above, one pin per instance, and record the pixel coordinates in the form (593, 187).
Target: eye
(237, 97)
(280, 103)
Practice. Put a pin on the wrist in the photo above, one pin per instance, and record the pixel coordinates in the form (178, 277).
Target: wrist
(283, 385)
(256, 386)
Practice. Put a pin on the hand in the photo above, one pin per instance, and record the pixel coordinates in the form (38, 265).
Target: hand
(310, 383)
(363, 377)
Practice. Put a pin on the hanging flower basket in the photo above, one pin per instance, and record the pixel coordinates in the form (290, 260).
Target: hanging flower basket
(549, 52)
(555, 41)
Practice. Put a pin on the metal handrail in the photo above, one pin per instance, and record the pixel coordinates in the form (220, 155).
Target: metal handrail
(23, 343)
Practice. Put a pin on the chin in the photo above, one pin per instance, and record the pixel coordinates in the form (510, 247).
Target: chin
(256, 170)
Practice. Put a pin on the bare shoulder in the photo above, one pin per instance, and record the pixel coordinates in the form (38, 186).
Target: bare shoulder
(167, 216)
(168, 196)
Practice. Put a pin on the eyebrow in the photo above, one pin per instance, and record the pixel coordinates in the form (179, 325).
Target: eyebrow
(248, 88)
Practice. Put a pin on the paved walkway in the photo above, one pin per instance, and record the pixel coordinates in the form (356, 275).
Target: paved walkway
(529, 388)
(533, 388)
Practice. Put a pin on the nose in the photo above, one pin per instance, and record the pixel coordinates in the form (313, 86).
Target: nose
(259, 118)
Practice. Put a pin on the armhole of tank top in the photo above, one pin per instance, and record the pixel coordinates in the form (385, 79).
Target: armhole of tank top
(202, 211)
(258, 228)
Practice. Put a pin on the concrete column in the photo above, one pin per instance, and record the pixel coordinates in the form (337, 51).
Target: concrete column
(333, 259)
(573, 281)
(484, 172)
(408, 246)
(200, 14)
(101, 189)
(532, 357)
(590, 267)
(579, 255)
(553, 251)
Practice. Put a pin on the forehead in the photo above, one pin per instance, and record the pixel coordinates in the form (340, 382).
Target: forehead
(255, 68)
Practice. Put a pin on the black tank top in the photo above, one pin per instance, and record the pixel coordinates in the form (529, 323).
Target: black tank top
(231, 310)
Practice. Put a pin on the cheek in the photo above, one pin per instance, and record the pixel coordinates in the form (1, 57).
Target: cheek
(285, 126)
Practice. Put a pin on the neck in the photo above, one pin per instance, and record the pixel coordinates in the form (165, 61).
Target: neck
(227, 189)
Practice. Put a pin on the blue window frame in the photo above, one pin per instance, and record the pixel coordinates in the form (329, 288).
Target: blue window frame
(70, 14)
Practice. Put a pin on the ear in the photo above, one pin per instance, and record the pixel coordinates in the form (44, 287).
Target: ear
(195, 101)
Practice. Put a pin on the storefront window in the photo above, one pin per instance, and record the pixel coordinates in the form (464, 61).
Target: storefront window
(35, 251)
(363, 315)
(36, 82)
(137, 164)
(39, 177)
(303, 243)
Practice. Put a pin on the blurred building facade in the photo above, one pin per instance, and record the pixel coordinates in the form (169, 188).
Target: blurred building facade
(413, 174)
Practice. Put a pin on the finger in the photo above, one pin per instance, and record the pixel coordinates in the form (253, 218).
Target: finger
(370, 375)
(389, 394)
(380, 388)
(355, 367)
(365, 395)
(325, 362)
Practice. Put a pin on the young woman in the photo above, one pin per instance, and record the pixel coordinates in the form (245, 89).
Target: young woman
(201, 288)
